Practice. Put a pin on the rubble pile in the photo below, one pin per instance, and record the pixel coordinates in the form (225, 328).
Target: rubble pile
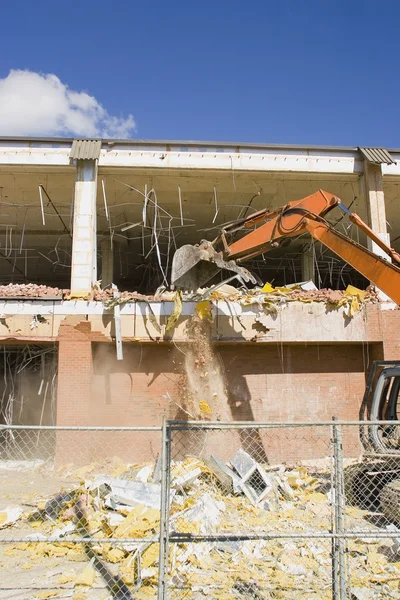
(270, 297)
(107, 296)
(267, 295)
(30, 290)
(236, 500)
(329, 296)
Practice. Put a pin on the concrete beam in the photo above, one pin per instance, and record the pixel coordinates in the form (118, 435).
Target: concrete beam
(315, 161)
(25, 153)
(188, 156)
(297, 323)
(44, 153)
(84, 243)
(375, 202)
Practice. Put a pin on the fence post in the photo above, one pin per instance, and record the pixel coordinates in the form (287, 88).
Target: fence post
(339, 559)
(335, 570)
(164, 511)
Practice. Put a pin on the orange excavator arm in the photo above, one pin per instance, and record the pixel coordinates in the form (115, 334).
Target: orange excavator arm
(192, 265)
(385, 275)
(291, 221)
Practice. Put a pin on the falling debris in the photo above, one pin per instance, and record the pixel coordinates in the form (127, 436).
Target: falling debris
(204, 392)
(174, 316)
(205, 408)
(204, 310)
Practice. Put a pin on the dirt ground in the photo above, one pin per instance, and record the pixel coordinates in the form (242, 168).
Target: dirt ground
(21, 578)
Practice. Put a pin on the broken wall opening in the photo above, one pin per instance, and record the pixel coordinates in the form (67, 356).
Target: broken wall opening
(36, 226)
(28, 392)
(149, 214)
(144, 215)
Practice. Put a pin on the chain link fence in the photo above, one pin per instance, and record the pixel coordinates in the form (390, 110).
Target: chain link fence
(79, 512)
(201, 509)
(272, 510)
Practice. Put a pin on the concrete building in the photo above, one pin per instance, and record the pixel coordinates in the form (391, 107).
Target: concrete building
(77, 211)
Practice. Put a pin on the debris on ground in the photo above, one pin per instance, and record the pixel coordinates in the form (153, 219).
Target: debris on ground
(9, 516)
(235, 498)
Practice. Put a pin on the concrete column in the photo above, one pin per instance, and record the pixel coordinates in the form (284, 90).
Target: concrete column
(307, 266)
(84, 244)
(375, 200)
(107, 263)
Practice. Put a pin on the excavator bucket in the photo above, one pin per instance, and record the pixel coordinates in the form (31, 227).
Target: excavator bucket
(194, 266)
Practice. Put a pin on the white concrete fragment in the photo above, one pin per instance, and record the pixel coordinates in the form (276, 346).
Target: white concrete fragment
(256, 484)
(187, 478)
(294, 569)
(35, 537)
(114, 519)
(147, 573)
(225, 475)
(62, 531)
(285, 488)
(130, 493)
(207, 511)
(9, 516)
(144, 474)
(359, 593)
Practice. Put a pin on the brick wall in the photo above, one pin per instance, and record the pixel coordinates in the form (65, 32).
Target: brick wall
(265, 383)
(74, 375)
(270, 382)
(133, 391)
(74, 389)
(295, 382)
(391, 334)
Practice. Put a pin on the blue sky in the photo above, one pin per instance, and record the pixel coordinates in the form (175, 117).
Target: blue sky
(311, 72)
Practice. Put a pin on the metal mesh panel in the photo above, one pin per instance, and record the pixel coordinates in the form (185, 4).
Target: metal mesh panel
(200, 510)
(372, 501)
(245, 499)
(278, 511)
(82, 516)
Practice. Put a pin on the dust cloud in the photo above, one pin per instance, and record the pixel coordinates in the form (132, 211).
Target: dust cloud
(205, 393)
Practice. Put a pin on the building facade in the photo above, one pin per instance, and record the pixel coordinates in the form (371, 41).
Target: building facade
(79, 215)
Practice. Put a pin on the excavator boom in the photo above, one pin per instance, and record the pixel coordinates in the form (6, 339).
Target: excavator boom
(385, 275)
(193, 266)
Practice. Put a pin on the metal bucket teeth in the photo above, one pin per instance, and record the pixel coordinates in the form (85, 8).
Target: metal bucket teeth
(194, 266)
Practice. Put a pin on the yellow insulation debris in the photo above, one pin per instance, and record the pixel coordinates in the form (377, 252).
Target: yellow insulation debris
(87, 577)
(204, 310)
(174, 317)
(205, 408)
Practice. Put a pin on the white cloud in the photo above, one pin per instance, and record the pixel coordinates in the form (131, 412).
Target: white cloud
(36, 104)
